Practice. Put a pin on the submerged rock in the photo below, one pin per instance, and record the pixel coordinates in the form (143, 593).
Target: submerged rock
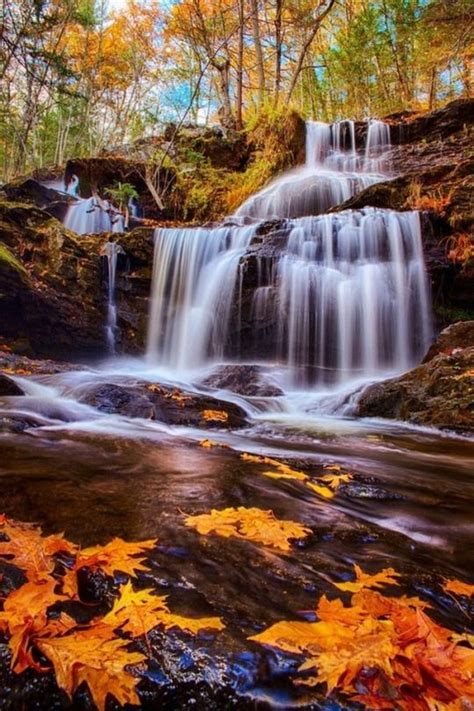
(439, 392)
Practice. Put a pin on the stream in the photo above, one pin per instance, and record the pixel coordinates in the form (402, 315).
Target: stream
(353, 284)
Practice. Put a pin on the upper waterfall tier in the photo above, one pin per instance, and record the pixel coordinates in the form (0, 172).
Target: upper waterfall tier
(334, 171)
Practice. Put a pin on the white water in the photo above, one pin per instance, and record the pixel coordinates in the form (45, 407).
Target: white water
(334, 171)
(347, 296)
(111, 251)
(93, 216)
(194, 285)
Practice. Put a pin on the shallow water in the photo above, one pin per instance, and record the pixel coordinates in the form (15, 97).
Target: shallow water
(95, 476)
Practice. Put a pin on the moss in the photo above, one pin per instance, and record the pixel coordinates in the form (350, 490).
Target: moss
(452, 315)
(7, 257)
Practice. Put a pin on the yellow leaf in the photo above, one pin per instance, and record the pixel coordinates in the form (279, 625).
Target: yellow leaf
(137, 612)
(117, 555)
(251, 524)
(207, 443)
(29, 549)
(215, 415)
(283, 471)
(363, 580)
(321, 490)
(334, 481)
(458, 587)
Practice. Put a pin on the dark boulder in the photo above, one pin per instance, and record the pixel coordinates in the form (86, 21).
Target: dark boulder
(166, 404)
(9, 387)
(247, 380)
(455, 337)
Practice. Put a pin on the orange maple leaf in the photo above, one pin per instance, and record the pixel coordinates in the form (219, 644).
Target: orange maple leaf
(137, 612)
(458, 587)
(251, 524)
(93, 655)
(363, 580)
(30, 550)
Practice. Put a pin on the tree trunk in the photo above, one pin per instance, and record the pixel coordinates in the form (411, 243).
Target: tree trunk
(278, 49)
(258, 50)
(240, 67)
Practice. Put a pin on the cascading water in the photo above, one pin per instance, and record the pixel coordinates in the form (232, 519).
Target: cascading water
(349, 295)
(334, 171)
(111, 250)
(93, 216)
(194, 282)
(345, 298)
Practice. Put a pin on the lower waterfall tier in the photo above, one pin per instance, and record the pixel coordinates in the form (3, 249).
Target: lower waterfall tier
(343, 296)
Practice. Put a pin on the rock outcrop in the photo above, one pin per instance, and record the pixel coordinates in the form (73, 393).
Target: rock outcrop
(53, 286)
(439, 392)
(166, 404)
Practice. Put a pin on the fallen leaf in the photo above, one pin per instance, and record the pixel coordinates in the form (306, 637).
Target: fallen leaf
(29, 550)
(137, 612)
(387, 576)
(207, 443)
(334, 481)
(215, 415)
(24, 615)
(250, 524)
(321, 490)
(96, 657)
(458, 588)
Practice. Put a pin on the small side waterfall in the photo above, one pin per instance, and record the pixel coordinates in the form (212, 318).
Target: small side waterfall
(342, 296)
(111, 250)
(93, 216)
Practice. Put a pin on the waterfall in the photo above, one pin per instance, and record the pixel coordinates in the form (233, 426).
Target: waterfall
(194, 280)
(334, 297)
(93, 216)
(334, 171)
(350, 296)
(111, 250)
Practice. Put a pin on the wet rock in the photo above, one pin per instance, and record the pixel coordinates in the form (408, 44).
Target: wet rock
(30, 190)
(116, 399)
(22, 365)
(9, 387)
(167, 404)
(454, 179)
(456, 336)
(52, 287)
(247, 380)
(440, 392)
(439, 124)
(368, 491)
(15, 423)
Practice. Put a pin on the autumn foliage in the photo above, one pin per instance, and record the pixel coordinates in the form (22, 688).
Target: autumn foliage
(42, 636)
(385, 652)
